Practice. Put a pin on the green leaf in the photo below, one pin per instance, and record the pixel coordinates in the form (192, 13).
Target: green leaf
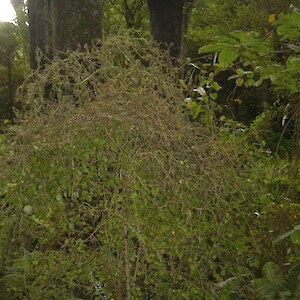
(283, 236)
(241, 36)
(288, 25)
(295, 237)
(293, 64)
(233, 77)
(228, 55)
(294, 48)
(196, 111)
(195, 108)
(225, 39)
(239, 81)
(216, 47)
(291, 86)
(258, 45)
(213, 96)
(216, 86)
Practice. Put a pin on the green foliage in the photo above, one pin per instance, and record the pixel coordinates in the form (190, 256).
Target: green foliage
(244, 47)
(288, 26)
(12, 67)
(270, 286)
(216, 18)
(108, 191)
(238, 44)
(294, 234)
(8, 41)
(130, 14)
(252, 58)
(201, 100)
(274, 286)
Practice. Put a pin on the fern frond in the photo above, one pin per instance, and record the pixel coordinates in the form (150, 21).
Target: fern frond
(293, 281)
(271, 284)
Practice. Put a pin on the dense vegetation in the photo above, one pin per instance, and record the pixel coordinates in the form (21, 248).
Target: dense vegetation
(128, 174)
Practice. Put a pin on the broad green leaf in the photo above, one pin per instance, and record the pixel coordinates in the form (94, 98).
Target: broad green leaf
(241, 36)
(228, 55)
(258, 45)
(225, 39)
(213, 47)
(288, 25)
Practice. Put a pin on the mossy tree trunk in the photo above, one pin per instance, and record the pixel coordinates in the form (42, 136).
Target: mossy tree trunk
(57, 26)
(10, 87)
(169, 19)
(16, 4)
(40, 31)
(76, 23)
(8, 50)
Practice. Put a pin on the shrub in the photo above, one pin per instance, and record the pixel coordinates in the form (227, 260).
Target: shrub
(108, 191)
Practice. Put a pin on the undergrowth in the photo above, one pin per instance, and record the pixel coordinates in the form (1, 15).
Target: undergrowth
(108, 192)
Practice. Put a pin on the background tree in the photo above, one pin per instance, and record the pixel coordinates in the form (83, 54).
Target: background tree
(217, 17)
(76, 22)
(22, 30)
(9, 44)
(57, 26)
(40, 29)
(169, 20)
(131, 10)
(16, 3)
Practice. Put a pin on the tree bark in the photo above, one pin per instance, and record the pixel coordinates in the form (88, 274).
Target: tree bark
(169, 19)
(76, 23)
(57, 26)
(10, 87)
(16, 4)
(40, 31)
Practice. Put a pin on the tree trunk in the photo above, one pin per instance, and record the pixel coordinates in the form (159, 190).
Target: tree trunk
(76, 23)
(57, 26)
(10, 87)
(169, 19)
(16, 4)
(40, 31)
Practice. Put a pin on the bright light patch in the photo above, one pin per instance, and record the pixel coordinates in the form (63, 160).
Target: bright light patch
(7, 13)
